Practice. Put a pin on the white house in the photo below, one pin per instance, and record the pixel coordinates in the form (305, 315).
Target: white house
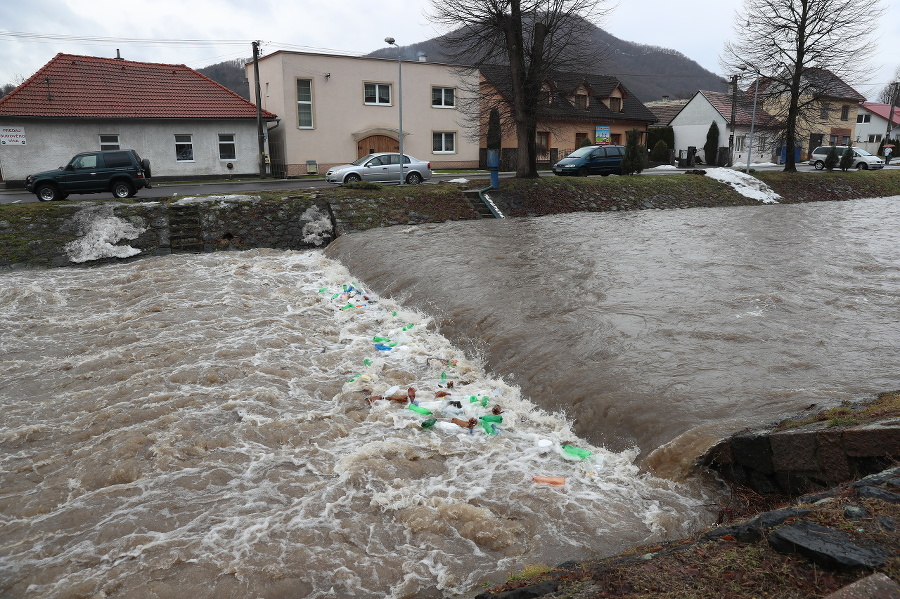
(693, 121)
(871, 125)
(335, 109)
(187, 125)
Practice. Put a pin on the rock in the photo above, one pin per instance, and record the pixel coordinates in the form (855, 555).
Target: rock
(876, 493)
(530, 592)
(875, 586)
(854, 512)
(753, 529)
(825, 546)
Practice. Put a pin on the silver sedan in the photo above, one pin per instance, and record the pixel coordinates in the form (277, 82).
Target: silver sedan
(383, 167)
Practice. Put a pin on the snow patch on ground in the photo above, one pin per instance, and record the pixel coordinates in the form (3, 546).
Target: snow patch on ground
(746, 185)
(460, 180)
(318, 230)
(220, 198)
(100, 232)
(663, 167)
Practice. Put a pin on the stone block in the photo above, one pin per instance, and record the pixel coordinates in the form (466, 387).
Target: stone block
(833, 462)
(825, 546)
(794, 451)
(872, 440)
(754, 451)
(874, 586)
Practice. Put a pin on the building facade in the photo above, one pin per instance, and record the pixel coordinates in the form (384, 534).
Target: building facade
(334, 109)
(187, 125)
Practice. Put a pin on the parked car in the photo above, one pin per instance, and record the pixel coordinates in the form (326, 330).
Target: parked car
(121, 172)
(861, 159)
(592, 160)
(383, 167)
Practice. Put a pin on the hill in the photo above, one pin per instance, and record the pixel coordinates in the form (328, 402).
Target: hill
(229, 74)
(650, 72)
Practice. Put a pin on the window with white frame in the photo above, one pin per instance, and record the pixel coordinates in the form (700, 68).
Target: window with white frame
(863, 118)
(304, 104)
(378, 94)
(184, 148)
(109, 142)
(443, 142)
(443, 97)
(739, 143)
(227, 150)
(874, 138)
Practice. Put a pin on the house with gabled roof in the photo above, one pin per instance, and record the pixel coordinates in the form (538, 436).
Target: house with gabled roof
(872, 125)
(187, 125)
(691, 125)
(574, 109)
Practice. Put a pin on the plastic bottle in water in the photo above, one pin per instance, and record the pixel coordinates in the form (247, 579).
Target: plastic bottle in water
(419, 409)
(429, 423)
(577, 452)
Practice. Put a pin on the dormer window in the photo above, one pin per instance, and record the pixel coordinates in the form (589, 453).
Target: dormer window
(546, 97)
(615, 104)
(581, 101)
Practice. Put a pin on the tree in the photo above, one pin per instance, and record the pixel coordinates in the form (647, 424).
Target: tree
(711, 147)
(846, 159)
(633, 161)
(831, 160)
(890, 91)
(530, 38)
(660, 152)
(494, 133)
(787, 42)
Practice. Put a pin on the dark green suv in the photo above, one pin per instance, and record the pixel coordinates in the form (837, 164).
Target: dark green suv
(121, 172)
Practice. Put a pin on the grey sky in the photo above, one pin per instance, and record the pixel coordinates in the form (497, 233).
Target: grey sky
(697, 29)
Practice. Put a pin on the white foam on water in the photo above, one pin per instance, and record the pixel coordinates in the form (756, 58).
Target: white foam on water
(218, 440)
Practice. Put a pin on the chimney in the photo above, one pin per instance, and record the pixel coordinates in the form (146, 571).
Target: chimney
(665, 98)
(422, 57)
(118, 56)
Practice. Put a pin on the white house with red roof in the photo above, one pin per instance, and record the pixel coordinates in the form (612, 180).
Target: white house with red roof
(186, 124)
(872, 125)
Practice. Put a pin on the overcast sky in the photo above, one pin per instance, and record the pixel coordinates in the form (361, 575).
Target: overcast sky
(203, 32)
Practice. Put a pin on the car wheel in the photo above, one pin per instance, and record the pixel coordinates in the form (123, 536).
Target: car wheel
(583, 172)
(352, 178)
(413, 178)
(145, 164)
(122, 190)
(862, 166)
(818, 165)
(47, 192)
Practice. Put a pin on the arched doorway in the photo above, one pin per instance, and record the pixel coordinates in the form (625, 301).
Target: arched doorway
(376, 143)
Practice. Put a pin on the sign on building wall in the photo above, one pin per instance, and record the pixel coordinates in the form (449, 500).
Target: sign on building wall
(12, 136)
(601, 136)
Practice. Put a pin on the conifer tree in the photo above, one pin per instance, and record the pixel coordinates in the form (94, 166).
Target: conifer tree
(633, 161)
(711, 147)
(660, 152)
(847, 159)
(831, 160)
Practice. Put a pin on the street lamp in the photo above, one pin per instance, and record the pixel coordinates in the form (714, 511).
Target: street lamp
(752, 116)
(391, 42)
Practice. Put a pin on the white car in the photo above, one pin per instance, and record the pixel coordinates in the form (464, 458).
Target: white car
(861, 159)
(383, 167)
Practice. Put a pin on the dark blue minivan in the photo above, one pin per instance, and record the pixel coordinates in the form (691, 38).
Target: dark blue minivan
(592, 160)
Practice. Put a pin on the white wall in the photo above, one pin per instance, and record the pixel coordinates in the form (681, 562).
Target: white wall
(876, 126)
(51, 143)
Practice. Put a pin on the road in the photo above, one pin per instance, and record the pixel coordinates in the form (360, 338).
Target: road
(15, 196)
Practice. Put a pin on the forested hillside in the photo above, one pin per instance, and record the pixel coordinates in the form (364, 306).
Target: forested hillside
(229, 74)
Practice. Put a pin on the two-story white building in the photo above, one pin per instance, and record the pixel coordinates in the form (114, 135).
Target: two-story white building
(871, 125)
(334, 109)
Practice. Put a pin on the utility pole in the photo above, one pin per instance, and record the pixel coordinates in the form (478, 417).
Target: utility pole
(734, 90)
(890, 115)
(259, 121)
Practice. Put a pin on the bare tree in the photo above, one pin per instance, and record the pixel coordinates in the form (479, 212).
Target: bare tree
(793, 45)
(889, 92)
(530, 38)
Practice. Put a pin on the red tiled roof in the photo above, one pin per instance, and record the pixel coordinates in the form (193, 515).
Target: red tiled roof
(882, 111)
(90, 87)
(743, 113)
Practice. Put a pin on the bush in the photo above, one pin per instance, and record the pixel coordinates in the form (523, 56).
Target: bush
(362, 185)
(711, 147)
(660, 152)
(832, 159)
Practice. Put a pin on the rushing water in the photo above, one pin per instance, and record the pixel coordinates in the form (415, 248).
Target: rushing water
(198, 425)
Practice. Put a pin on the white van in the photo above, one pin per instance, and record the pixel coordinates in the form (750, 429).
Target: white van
(861, 159)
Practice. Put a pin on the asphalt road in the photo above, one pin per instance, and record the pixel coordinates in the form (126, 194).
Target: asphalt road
(163, 190)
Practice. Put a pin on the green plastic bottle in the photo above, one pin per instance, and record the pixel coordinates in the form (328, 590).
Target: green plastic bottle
(491, 418)
(484, 401)
(378, 339)
(488, 427)
(429, 423)
(577, 452)
(419, 409)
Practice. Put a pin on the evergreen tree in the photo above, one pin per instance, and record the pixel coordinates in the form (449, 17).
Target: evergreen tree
(832, 159)
(660, 152)
(633, 161)
(494, 136)
(847, 159)
(711, 147)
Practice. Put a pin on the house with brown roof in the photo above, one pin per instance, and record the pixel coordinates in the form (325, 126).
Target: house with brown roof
(187, 125)
(574, 109)
(691, 125)
(872, 125)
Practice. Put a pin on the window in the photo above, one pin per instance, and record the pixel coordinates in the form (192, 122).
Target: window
(443, 97)
(378, 94)
(543, 141)
(109, 142)
(580, 138)
(615, 104)
(304, 104)
(227, 149)
(739, 143)
(863, 118)
(86, 161)
(581, 101)
(184, 148)
(615, 139)
(845, 113)
(443, 142)
(875, 137)
(117, 159)
(825, 110)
